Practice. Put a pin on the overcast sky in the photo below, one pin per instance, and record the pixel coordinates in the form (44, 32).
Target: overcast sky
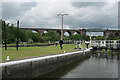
(44, 14)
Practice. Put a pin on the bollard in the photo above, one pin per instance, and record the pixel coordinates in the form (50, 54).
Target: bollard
(8, 58)
(64, 51)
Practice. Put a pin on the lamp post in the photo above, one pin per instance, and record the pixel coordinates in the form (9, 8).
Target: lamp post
(90, 37)
(62, 25)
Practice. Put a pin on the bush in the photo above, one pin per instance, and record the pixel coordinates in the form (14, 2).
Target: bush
(109, 52)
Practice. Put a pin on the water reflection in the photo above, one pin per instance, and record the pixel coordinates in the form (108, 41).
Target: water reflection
(92, 67)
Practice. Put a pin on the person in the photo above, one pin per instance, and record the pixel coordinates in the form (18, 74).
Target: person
(56, 43)
(61, 42)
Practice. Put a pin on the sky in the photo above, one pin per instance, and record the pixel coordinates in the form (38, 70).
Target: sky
(36, 14)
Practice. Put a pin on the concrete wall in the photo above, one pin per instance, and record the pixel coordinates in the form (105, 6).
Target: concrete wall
(34, 68)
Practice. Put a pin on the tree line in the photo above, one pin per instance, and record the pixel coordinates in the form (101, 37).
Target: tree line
(24, 35)
(30, 36)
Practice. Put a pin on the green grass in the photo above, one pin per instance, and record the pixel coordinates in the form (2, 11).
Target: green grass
(25, 52)
(84, 45)
(26, 43)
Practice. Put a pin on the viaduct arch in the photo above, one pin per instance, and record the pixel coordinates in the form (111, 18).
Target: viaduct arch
(114, 32)
(72, 31)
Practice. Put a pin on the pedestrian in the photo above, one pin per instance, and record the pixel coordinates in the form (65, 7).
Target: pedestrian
(56, 43)
(61, 42)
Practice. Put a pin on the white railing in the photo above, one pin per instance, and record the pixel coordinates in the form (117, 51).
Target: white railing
(106, 43)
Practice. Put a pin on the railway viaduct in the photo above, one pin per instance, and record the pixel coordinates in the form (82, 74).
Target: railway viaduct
(114, 32)
(72, 31)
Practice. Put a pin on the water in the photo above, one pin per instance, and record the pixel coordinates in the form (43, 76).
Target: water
(92, 67)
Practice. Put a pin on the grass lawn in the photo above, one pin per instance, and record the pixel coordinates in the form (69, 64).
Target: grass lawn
(26, 43)
(25, 52)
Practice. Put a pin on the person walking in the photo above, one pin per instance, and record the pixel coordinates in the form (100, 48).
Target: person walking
(61, 42)
(56, 43)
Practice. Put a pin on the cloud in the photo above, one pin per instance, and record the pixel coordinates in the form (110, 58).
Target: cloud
(87, 4)
(81, 14)
(11, 10)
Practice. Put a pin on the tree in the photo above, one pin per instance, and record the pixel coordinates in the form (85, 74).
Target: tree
(85, 37)
(66, 38)
(111, 37)
(79, 37)
(100, 38)
(51, 36)
(24, 35)
(76, 37)
(36, 37)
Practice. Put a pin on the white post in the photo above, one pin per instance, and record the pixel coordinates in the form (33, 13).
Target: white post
(115, 44)
(105, 43)
(8, 58)
(90, 40)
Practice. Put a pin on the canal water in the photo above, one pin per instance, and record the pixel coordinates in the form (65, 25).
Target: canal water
(92, 67)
